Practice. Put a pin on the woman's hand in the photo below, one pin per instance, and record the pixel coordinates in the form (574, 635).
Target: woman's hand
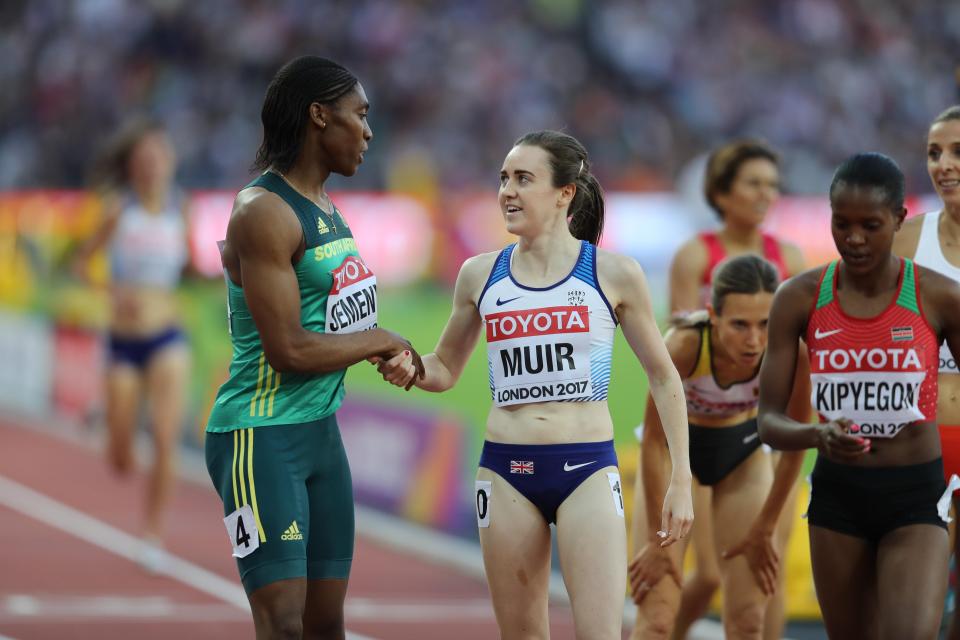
(764, 561)
(648, 568)
(677, 516)
(835, 440)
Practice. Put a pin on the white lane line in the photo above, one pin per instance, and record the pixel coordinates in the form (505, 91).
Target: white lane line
(55, 514)
(73, 608)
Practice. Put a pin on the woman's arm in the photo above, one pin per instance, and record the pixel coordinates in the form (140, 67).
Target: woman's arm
(635, 313)
(110, 216)
(443, 367)
(686, 276)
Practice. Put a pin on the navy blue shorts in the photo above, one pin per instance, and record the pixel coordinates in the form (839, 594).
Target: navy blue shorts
(546, 474)
(138, 351)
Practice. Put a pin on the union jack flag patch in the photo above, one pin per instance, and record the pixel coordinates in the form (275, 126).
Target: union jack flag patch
(901, 334)
(521, 466)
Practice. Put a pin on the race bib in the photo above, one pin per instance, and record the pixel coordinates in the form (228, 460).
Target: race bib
(881, 403)
(352, 303)
(615, 489)
(947, 362)
(243, 532)
(484, 491)
(539, 355)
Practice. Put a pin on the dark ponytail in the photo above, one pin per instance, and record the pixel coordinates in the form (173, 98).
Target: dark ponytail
(570, 165)
(747, 274)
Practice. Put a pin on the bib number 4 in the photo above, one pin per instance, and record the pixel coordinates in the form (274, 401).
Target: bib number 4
(243, 532)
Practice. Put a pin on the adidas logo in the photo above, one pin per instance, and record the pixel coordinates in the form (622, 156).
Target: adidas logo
(292, 532)
(322, 228)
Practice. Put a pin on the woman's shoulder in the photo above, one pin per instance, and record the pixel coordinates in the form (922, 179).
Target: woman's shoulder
(907, 240)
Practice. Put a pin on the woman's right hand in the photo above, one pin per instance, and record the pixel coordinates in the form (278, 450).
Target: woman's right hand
(399, 364)
(836, 440)
(648, 568)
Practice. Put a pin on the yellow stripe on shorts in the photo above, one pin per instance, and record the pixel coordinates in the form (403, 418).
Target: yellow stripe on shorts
(243, 486)
(253, 488)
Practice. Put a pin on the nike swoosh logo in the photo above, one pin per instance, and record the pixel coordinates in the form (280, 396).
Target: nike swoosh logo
(570, 467)
(750, 438)
(820, 335)
(502, 302)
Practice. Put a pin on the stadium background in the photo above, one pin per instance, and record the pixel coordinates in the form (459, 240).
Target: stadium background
(648, 86)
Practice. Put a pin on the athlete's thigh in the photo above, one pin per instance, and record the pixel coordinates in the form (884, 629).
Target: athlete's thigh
(165, 378)
(657, 612)
(124, 385)
(701, 534)
(591, 538)
(264, 498)
(912, 581)
(737, 500)
(330, 525)
(844, 575)
(638, 517)
(515, 540)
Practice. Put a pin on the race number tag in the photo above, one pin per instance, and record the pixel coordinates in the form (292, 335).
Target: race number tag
(352, 303)
(243, 532)
(614, 478)
(539, 355)
(484, 491)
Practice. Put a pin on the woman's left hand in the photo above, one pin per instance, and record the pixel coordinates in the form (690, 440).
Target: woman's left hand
(762, 557)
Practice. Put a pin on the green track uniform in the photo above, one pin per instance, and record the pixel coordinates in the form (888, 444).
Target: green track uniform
(273, 447)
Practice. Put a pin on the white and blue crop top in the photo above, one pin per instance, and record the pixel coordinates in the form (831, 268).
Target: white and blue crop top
(148, 249)
(548, 344)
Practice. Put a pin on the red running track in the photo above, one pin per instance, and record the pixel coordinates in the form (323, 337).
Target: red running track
(68, 570)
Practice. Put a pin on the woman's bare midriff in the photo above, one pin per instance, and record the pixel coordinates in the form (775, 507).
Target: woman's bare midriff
(550, 423)
(141, 312)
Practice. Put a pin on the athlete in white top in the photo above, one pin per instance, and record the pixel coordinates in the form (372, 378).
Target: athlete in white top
(145, 232)
(933, 241)
(549, 305)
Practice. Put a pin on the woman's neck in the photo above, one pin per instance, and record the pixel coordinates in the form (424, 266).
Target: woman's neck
(548, 252)
(309, 180)
(741, 235)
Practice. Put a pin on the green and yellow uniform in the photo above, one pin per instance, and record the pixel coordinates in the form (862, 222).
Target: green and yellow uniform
(273, 447)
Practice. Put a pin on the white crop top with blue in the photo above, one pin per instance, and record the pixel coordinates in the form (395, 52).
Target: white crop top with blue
(148, 249)
(548, 344)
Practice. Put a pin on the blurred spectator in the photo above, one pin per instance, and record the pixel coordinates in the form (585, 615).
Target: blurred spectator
(647, 85)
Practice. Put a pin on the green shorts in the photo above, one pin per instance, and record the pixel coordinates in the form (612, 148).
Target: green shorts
(288, 499)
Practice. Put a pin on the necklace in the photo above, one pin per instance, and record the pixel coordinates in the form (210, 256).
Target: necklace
(330, 206)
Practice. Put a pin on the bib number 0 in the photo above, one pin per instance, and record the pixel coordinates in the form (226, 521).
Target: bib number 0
(482, 496)
(243, 532)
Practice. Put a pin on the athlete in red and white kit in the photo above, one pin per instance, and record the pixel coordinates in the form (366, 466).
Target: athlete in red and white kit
(872, 323)
(741, 183)
(550, 305)
(931, 240)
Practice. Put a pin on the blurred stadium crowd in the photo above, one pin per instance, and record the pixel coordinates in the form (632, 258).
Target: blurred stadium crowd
(648, 85)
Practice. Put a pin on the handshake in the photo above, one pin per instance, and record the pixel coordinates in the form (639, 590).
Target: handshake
(401, 365)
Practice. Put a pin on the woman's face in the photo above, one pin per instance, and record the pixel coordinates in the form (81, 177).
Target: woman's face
(346, 133)
(863, 225)
(943, 160)
(753, 191)
(528, 200)
(741, 326)
(152, 160)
